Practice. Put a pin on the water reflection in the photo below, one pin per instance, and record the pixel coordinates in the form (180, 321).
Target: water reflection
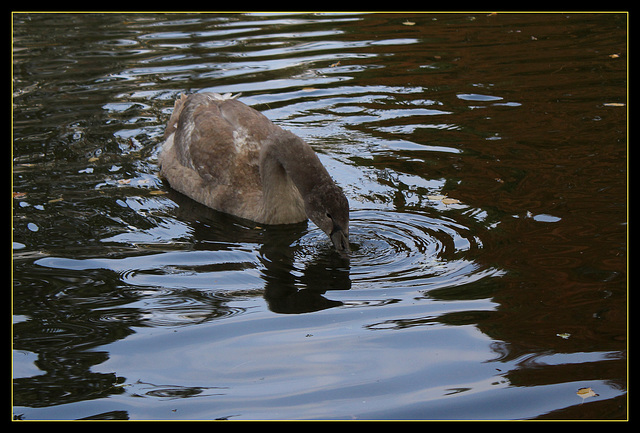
(289, 286)
(286, 293)
(88, 303)
(215, 264)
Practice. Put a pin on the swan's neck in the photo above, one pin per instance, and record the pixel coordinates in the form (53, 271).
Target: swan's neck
(289, 170)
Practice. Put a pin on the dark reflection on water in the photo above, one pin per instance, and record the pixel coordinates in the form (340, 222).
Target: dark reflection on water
(485, 160)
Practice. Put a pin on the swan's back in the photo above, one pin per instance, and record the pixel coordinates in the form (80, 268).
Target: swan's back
(212, 154)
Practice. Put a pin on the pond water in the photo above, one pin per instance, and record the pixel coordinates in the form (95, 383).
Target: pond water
(485, 160)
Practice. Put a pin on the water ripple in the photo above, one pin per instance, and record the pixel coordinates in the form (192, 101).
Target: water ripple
(400, 249)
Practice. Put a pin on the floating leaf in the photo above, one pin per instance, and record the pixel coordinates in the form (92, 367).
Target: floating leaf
(564, 335)
(614, 104)
(409, 23)
(450, 201)
(436, 197)
(444, 199)
(19, 194)
(333, 65)
(586, 393)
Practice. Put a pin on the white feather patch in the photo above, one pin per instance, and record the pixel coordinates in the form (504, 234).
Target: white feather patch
(226, 96)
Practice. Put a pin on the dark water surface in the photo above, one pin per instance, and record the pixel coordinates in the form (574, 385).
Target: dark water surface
(485, 159)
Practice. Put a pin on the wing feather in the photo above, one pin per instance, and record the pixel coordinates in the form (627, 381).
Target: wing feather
(204, 140)
(219, 139)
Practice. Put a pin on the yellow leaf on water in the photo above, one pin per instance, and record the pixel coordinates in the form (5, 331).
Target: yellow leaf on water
(409, 23)
(444, 199)
(586, 393)
(450, 201)
(614, 104)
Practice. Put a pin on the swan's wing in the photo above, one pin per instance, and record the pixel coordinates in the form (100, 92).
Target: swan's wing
(204, 140)
(220, 138)
(245, 120)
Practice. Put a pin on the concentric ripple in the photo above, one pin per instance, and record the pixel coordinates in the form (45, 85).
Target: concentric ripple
(401, 249)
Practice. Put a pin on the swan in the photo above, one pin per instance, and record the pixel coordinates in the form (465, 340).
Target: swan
(230, 157)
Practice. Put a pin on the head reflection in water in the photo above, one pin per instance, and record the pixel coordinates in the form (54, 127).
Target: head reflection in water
(285, 292)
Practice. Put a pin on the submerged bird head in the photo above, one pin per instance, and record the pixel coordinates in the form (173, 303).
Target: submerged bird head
(328, 208)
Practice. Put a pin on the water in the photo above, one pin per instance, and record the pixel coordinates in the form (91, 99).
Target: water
(485, 159)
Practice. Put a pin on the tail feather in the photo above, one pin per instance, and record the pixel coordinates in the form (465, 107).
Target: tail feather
(173, 121)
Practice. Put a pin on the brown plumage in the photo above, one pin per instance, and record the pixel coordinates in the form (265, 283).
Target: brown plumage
(230, 157)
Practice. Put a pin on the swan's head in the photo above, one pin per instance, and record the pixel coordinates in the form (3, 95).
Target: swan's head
(328, 208)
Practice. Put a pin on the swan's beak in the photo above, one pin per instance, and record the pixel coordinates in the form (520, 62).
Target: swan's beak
(340, 240)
